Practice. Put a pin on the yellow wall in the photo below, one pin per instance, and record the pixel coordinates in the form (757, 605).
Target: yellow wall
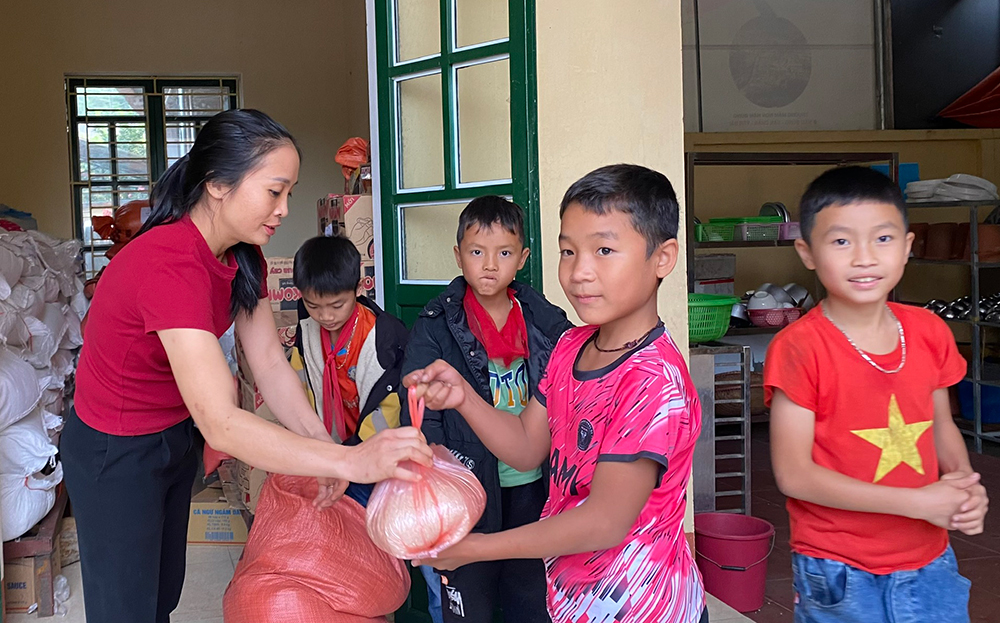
(609, 90)
(740, 191)
(304, 64)
(603, 99)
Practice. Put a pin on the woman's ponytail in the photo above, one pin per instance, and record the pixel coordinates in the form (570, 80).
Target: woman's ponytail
(168, 199)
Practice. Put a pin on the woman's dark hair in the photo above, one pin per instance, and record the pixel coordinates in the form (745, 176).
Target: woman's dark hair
(228, 147)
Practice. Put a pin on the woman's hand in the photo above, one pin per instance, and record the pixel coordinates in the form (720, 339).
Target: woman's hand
(383, 455)
(440, 385)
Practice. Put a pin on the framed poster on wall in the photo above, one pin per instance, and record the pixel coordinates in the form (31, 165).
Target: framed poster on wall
(767, 65)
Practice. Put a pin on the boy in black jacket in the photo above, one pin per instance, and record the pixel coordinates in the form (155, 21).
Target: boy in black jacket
(498, 334)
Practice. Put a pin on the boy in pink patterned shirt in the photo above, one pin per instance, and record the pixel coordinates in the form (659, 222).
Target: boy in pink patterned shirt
(616, 416)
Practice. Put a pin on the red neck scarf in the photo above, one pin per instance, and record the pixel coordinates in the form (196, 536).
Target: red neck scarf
(508, 343)
(340, 392)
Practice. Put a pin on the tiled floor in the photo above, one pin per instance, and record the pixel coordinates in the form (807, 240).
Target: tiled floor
(978, 556)
(209, 570)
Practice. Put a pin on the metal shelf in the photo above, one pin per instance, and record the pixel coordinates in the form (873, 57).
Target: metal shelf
(724, 438)
(923, 260)
(990, 382)
(976, 377)
(743, 244)
(752, 331)
(742, 159)
(952, 204)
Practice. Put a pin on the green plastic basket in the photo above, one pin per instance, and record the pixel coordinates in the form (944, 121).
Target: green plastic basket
(725, 229)
(708, 316)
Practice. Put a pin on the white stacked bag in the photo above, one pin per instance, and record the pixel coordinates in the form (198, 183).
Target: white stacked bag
(41, 308)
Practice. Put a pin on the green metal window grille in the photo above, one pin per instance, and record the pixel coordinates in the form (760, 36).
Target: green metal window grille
(124, 133)
(446, 190)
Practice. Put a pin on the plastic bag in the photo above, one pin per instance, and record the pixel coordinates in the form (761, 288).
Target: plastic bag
(304, 565)
(19, 389)
(25, 500)
(25, 447)
(352, 155)
(13, 330)
(412, 520)
(60, 595)
(11, 267)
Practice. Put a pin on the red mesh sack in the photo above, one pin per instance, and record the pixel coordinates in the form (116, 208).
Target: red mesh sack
(413, 520)
(212, 459)
(303, 565)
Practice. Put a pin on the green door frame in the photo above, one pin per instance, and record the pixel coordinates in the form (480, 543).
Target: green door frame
(406, 299)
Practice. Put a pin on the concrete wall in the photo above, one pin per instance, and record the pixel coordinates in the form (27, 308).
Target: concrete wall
(304, 63)
(609, 91)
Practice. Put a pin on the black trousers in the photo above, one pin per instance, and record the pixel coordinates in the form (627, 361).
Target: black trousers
(131, 497)
(518, 587)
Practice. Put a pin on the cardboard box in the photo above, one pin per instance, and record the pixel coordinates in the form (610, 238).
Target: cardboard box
(359, 225)
(330, 215)
(252, 401)
(368, 279)
(19, 585)
(715, 286)
(213, 521)
(286, 322)
(280, 287)
(249, 479)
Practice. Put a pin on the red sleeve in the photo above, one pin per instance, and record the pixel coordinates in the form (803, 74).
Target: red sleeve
(177, 295)
(791, 365)
(952, 365)
(652, 413)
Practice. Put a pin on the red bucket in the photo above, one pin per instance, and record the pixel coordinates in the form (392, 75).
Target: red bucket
(732, 552)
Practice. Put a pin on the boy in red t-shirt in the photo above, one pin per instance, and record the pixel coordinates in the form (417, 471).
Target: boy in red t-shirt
(616, 417)
(862, 437)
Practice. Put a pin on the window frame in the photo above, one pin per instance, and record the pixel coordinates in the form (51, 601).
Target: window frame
(155, 119)
(523, 185)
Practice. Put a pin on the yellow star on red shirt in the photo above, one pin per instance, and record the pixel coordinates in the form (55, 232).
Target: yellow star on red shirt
(898, 442)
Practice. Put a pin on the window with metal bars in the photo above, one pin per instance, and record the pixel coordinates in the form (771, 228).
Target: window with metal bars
(124, 133)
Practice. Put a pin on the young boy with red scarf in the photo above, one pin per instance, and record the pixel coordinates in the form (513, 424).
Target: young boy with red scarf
(498, 333)
(348, 352)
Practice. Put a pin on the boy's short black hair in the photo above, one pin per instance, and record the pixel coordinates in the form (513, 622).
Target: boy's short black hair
(327, 265)
(846, 185)
(644, 194)
(489, 210)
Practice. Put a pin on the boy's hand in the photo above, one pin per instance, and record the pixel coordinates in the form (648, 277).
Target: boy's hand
(439, 384)
(970, 516)
(458, 555)
(942, 500)
(383, 455)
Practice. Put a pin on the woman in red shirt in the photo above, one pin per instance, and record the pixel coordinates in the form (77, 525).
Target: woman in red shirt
(151, 363)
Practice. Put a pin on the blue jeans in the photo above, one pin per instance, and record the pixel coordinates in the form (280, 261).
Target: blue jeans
(433, 592)
(828, 591)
